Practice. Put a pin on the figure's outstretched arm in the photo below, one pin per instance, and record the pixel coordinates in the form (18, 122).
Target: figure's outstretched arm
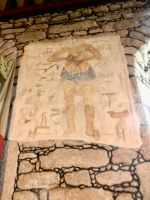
(57, 55)
(95, 54)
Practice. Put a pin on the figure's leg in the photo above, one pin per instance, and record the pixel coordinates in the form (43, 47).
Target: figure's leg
(69, 90)
(87, 90)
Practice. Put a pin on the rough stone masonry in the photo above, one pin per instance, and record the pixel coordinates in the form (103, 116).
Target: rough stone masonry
(76, 170)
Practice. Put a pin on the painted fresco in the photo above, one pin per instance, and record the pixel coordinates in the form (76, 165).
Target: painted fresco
(75, 89)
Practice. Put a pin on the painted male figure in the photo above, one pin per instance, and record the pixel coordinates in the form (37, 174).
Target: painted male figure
(78, 71)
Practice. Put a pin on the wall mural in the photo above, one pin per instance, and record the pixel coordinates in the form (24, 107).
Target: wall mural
(75, 89)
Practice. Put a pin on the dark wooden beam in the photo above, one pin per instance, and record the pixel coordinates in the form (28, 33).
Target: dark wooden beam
(50, 7)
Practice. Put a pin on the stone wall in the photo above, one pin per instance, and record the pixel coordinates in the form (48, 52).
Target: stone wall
(76, 170)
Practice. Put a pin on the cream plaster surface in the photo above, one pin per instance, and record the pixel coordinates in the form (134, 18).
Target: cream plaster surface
(75, 89)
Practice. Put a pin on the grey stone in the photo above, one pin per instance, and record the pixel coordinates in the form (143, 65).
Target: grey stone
(5, 26)
(122, 33)
(130, 50)
(145, 148)
(6, 45)
(100, 9)
(124, 156)
(39, 20)
(31, 36)
(76, 193)
(25, 167)
(38, 26)
(142, 171)
(139, 36)
(78, 178)
(110, 177)
(60, 18)
(132, 42)
(35, 180)
(76, 26)
(144, 29)
(75, 14)
(94, 31)
(9, 51)
(114, 7)
(108, 18)
(27, 155)
(15, 30)
(86, 11)
(146, 22)
(133, 4)
(74, 157)
(79, 33)
(121, 25)
(25, 195)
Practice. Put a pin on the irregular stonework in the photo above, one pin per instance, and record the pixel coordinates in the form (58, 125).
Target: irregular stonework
(144, 29)
(144, 175)
(111, 177)
(74, 157)
(38, 26)
(27, 155)
(78, 178)
(75, 193)
(31, 36)
(36, 180)
(60, 18)
(100, 9)
(7, 45)
(133, 4)
(25, 195)
(124, 156)
(130, 42)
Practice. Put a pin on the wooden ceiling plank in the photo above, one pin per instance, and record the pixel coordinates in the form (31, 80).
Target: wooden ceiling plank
(3, 4)
(38, 1)
(20, 3)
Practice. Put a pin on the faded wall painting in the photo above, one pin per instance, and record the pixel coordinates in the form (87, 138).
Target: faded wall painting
(75, 89)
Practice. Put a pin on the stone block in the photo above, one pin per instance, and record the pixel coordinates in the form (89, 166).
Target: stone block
(35, 180)
(100, 9)
(108, 18)
(75, 14)
(43, 194)
(70, 27)
(114, 7)
(31, 36)
(133, 4)
(144, 30)
(124, 156)
(145, 148)
(74, 157)
(121, 25)
(25, 167)
(25, 195)
(130, 42)
(10, 31)
(9, 36)
(142, 171)
(78, 178)
(60, 18)
(86, 11)
(38, 26)
(76, 193)
(39, 20)
(113, 177)
(139, 36)
(20, 20)
(130, 50)
(94, 31)
(6, 26)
